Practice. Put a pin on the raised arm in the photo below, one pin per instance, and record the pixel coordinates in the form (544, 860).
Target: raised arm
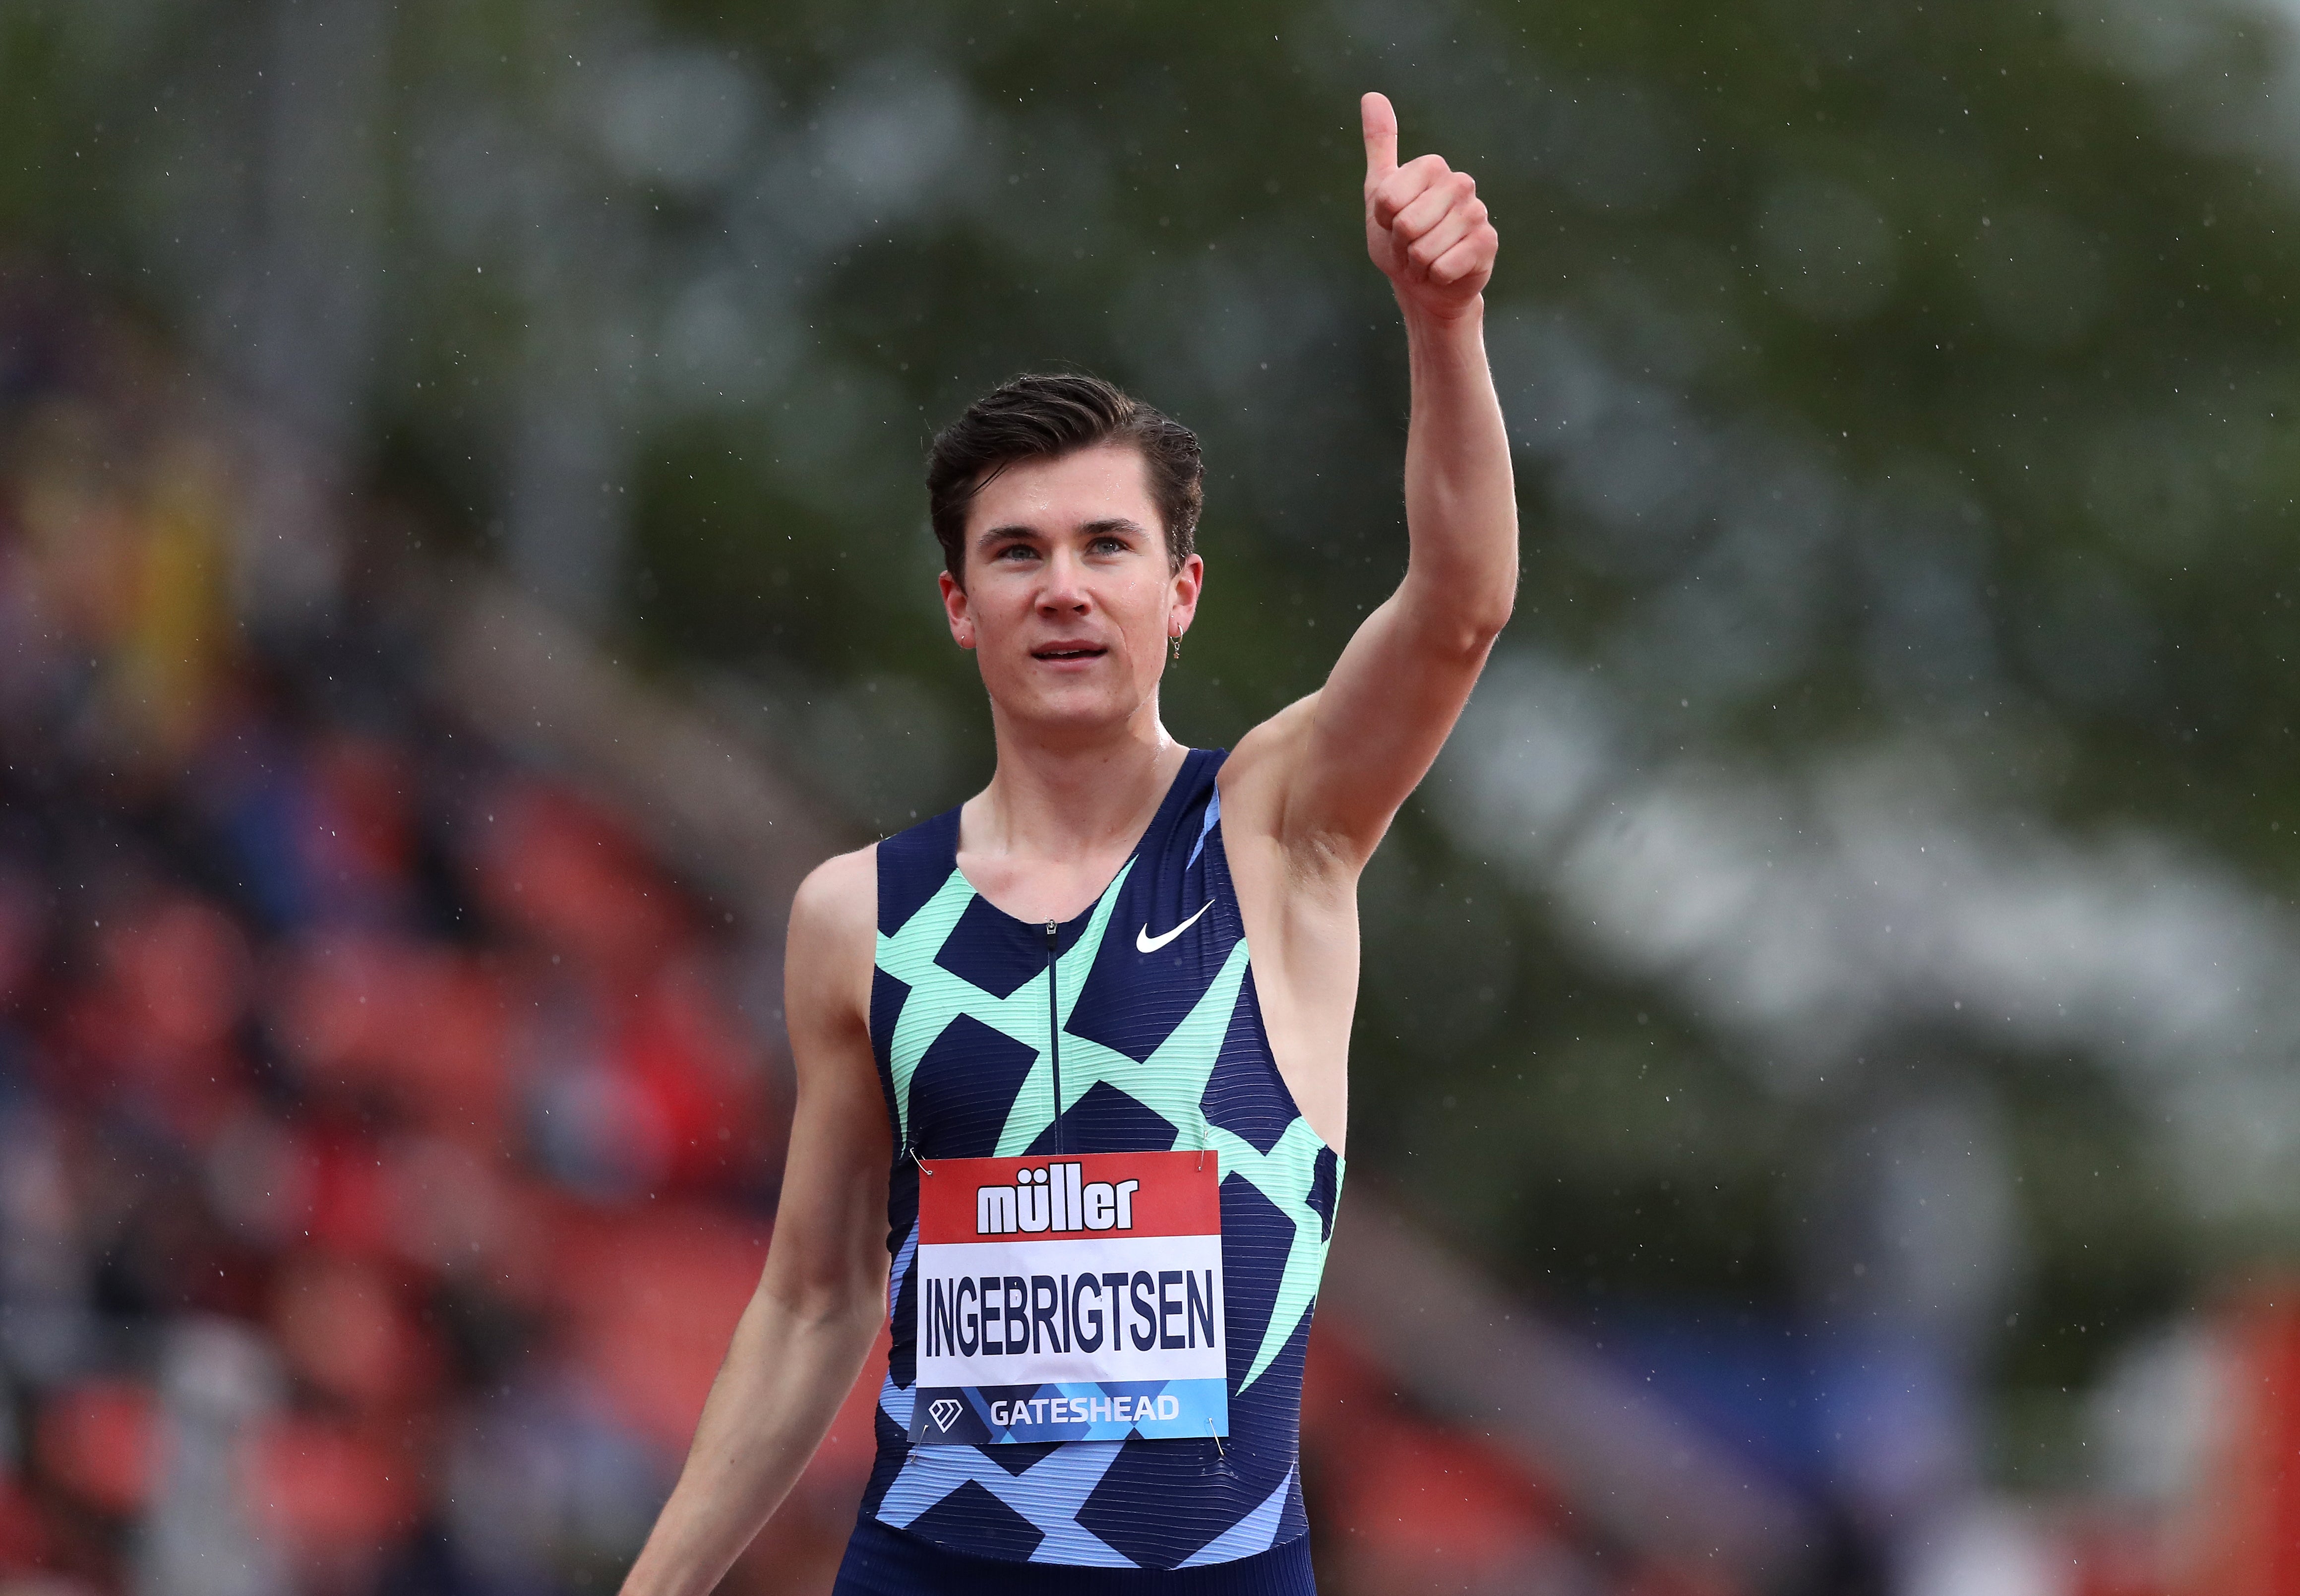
(1333, 769)
(819, 1300)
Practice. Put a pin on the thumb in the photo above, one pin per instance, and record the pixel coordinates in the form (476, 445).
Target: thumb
(1380, 136)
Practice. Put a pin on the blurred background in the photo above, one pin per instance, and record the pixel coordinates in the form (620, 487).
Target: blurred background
(1828, 1073)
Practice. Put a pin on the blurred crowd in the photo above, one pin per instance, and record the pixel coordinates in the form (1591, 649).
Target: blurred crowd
(386, 1140)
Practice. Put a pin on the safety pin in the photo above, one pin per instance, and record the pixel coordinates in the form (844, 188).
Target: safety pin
(1220, 1451)
(921, 1163)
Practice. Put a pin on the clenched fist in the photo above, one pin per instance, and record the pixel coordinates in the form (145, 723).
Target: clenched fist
(1425, 227)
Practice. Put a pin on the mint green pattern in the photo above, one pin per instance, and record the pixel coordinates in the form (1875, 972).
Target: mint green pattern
(1173, 1082)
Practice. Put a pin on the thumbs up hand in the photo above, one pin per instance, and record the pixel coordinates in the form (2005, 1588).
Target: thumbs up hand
(1425, 227)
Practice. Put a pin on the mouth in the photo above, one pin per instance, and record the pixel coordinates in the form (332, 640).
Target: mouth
(1066, 652)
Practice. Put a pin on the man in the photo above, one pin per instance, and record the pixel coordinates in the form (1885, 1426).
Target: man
(1107, 1143)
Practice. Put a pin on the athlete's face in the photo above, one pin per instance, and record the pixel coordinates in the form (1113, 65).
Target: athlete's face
(1070, 599)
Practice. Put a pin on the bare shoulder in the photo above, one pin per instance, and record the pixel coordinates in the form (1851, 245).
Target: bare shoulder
(838, 899)
(826, 958)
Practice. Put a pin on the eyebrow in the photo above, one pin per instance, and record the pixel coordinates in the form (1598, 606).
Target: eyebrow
(1092, 529)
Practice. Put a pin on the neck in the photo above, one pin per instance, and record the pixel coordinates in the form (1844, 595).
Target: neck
(1062, 793)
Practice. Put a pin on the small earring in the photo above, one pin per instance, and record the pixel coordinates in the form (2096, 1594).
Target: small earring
(1178, 647)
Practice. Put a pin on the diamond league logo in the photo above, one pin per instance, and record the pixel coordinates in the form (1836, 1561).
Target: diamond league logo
(942, 1410)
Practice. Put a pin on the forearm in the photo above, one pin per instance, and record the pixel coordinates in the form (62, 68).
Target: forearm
(785, 1376)
(1332, 775)
(1460, 499)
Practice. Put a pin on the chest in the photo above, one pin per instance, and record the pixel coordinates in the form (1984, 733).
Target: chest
(1034, 892)
(1138, 1026)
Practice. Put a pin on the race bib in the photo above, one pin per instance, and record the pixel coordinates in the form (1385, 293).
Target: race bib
(1069, 1299)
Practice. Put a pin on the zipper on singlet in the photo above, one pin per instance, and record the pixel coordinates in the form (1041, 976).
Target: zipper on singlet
(1054, 1031)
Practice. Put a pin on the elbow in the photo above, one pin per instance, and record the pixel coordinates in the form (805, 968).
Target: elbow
(827, 1297)
(822, 1307)
(1485, 621)
(833, 1318)
(1465, 639)
(1460, 620)
(1478, 622)
(1457, 617)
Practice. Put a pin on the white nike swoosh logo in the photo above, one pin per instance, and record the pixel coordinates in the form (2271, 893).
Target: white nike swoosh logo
(1150, 944)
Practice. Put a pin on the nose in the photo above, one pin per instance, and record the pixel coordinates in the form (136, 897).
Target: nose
(1062, 588)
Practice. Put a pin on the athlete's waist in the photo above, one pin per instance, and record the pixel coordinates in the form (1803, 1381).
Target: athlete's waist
(882, 1561)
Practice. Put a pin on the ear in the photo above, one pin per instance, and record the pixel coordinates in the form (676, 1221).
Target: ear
(1182, 602)
(953, 605)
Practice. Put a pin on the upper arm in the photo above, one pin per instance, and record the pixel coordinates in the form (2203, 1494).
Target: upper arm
(1329, 771)
(1339, 771)
(828, 1245)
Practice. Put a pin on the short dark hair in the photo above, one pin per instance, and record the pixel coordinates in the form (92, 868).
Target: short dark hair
(1043, 417)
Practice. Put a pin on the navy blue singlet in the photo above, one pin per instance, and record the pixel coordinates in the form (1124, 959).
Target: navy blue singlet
(1163, 1047)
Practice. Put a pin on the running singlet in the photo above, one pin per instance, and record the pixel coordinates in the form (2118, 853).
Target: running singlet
(1161, 1048)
